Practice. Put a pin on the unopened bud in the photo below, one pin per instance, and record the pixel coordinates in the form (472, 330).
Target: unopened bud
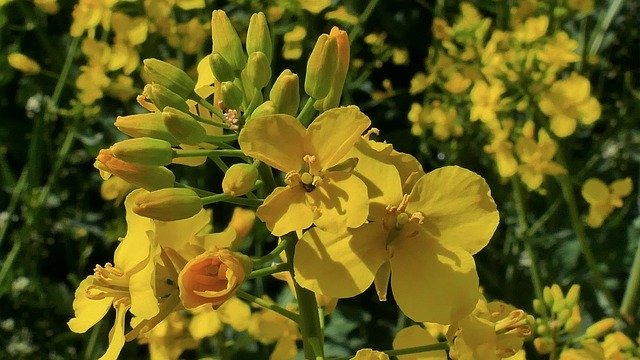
(226, 40)
(168, 204)
(285, 93)
(183, 126)
(258, 36)
(538, 307)
(321, 67)
(143, 150)
(145, 125)
(620, 340)
(162, 97)
(144, 176)
(600, 328)
(221, 69)
(573, 322)
(543, 345)
(573, 295)
(332, 99)
(231, 95)
(266, 108)
(547, 296)
(239, 179)
(169, 76)
(258, 70)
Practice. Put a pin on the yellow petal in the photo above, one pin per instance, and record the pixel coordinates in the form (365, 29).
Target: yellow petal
(477, 340)
(595, 191)
(87, 311)
(176, 234)
(381, 280)
(236, 313)
(205, 322)
(622, 187)
(340, 201)
(590, 111)
(277, 140)
(116, 335)
(413, 336)
(144, 302)
(285, 210)
(563, 125)
(340, 265)
(432, 281)
(134, 247)
(285, 349)
(457, 206)
(334, 132)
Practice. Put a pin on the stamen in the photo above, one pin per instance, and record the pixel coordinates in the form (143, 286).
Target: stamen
(403, 203)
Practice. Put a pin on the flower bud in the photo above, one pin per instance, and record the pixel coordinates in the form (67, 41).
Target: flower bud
(266, 108)
(231, 95)
(145, 125)
(332, 99)
(285, 93)
(258, 36)
(162, 97)
(600, 328)
(538, 307)
(147, 177)
(183, 126)
(212, 278)
(547, 296)
(23, 63)
(169, 76)
(168, 204)
(573, 322)
(143, 150)
(573, 295)
(221, 69)
(321, 67)
(239, 179)
(258, 70)
(226, 40)
(543, 345)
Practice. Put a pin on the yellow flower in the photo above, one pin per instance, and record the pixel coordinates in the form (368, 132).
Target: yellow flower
(532, 29)
(423, 241)
(413, 336)
(591, 350)
(567, 102)
(457, 83)
(315, 193)
(130, 284)
(268, 327)
(292, 48)
(583, 6)
(341, 14)
(486, 101)
(50, 7)
(23, 63)
(560, 51)
(536, 159)
(88, 14)
(503, 149)
(603, 199)
(368, 354)
(314, 6)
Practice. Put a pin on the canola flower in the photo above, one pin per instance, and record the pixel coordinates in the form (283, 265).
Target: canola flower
(603, 198)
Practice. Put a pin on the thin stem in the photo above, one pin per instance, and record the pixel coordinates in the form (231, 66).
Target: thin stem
(306, 114)
(603, 26)
(214, 110)
(8, 263)
(89, 352)
(274, 254)
(543, 219)
(631, 298)
(357, 29)
(16, 194)
(207, 200)
(270, 305)
(522, 234)
(269, 270)
(202, 152)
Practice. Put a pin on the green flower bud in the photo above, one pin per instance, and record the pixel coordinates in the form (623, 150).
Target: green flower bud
(573, 322)
(266, 108)
(169, 76)
(226, 40)
(285, 93)
(144, 176)
(321, 67)
(143, 150)
(145, 125)
(183, 126)
(258, 70)
(543, 345)
(538, 307)
(162, 97)
(221, 69)
(258, 36)
(547, 296)
(239, 179)
(231, 95)
(600, 328)
(573, 295)
(332, 99)
(168, 204)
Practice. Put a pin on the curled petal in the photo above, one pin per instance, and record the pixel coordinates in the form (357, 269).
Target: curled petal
(286, 210)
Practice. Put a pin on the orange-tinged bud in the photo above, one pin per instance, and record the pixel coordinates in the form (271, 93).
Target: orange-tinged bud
(258, 70)
(335, 93)
(221, 69)
(543, 345)
(168, 204)
(239, 179)
(169, 76)
(162, 97)
(231, 95)
(285, 93)
(147, 177)
(226, 40)
(600, 328)
(183, 126)
(212, 278)
(143, 150)
(258, 36)
(321, 67)
(145, 125)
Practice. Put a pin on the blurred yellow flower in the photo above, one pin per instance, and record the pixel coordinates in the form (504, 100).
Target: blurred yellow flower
(603, 199)
(414, 336)
(343, 15)
(50, 7)
(536, 159)
(23, 63)
(314, 6)
(568, 102)
(486, 101)
(292, 48)
(268, 327)
(502, 147)
(583, 6)
(559, 51)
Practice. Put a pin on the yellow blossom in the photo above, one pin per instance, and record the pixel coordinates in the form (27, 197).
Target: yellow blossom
(413, 336)
(568, 102)
(559, 51)
(457, 83)
(503, 149)
(583, 6)
(315, 193)
(486, 101)
(292, 48)
(50, 7)
(341, 14)
(369, 354)
(532, 29)
(536, 159)
(603, 199)
(268, 327)
(23, 63)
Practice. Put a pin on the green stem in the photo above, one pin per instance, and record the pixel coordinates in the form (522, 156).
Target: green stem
(207, 200)
(8, 263)
(631, 298)
(65, 71)
(270, 305)
(16, 194)
(89, 352)
(587, 253)
(202, 152)
(266, 174)
(522, 234)
(603, 26)
(269, 270)
(306, 114)
(222, 138)
(274, 254)
(357, 29)
(204, 103)
(312, 335)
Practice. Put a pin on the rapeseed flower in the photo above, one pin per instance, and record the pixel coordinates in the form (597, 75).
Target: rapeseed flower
(317, 192)
(603, 199)
(536, 159)
(268, 327)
